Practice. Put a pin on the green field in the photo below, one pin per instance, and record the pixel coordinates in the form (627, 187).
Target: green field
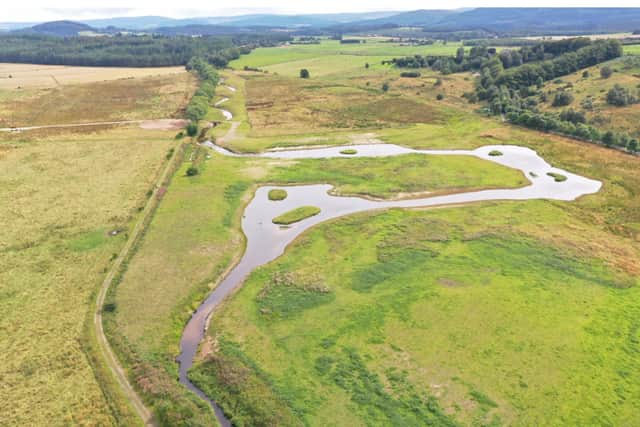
(632, 49)
(331, 57)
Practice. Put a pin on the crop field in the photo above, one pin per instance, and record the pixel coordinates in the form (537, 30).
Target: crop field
(592, 90)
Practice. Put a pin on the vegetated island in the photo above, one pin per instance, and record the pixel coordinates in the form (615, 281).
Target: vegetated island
(296, 215)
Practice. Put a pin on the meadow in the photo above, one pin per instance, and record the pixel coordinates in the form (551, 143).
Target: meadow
(590, 93)
(331, 57)
(72, 194)
(147, 97)
(501, 313)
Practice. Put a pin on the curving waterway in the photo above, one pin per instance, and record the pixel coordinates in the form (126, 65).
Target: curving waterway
(267, 241)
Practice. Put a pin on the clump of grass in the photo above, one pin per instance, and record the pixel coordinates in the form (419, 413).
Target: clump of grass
(484, 400)
(495, 153)
(349, 151)
(277, 194)
(557, 176)
(296, 215)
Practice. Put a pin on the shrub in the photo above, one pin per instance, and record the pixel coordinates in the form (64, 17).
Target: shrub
(495, 153)
(606, 72)
(304, 74)
(557, 177)
(573, 116)
(439, 97)
(620, 96)
(561, 99)
(192, 171)
(385, 87)
(410, 74)
(192, 129)
(277, 194)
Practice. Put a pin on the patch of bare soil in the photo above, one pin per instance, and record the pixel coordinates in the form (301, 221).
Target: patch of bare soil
(163, 124)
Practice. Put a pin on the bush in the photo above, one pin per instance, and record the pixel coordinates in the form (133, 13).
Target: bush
(304, 73)
(573, 116)
(277, 194)
(439, 97)
(385, 87)
(606, 72)
(410, 74)
(192, 129)
(562, 98)
(192, 171)
(620, 96)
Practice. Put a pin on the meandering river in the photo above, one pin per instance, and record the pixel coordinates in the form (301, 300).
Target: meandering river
(267, 241)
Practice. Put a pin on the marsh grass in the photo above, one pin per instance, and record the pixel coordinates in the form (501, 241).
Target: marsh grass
(296, 215)
(557, 177)
(277, 194)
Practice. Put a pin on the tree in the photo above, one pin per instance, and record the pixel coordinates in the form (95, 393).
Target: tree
(304, 73)
(606, 72)
(460, 55)
(562, 98)
(620, 96)
(585, 74)
(192, 171)
(385, 87)
(633, 146)
(366, 65)
(608, 138)
(192, 129)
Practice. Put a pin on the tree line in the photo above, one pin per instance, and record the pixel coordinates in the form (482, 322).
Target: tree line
(509, 80)
(199, 104)
(476, 57)
(128, 51)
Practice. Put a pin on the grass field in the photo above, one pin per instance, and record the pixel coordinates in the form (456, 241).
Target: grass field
(463, 315)
(331, 57)
(28, 76)
(632, 49)
(72, 195)
(67, 194)
(504, 313)
(142, 98)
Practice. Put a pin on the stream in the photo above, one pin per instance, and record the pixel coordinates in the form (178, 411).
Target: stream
(267, 241)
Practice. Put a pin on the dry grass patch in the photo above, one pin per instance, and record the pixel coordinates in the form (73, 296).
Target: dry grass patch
(28, 76)
(125, 99)
(64, 195)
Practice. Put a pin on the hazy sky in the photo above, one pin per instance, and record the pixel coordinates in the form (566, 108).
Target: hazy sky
(45, 10)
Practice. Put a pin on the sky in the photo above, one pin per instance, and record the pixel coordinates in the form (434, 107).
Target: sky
(47, 10)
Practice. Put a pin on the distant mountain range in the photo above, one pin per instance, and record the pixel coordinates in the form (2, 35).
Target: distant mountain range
(514, 21)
